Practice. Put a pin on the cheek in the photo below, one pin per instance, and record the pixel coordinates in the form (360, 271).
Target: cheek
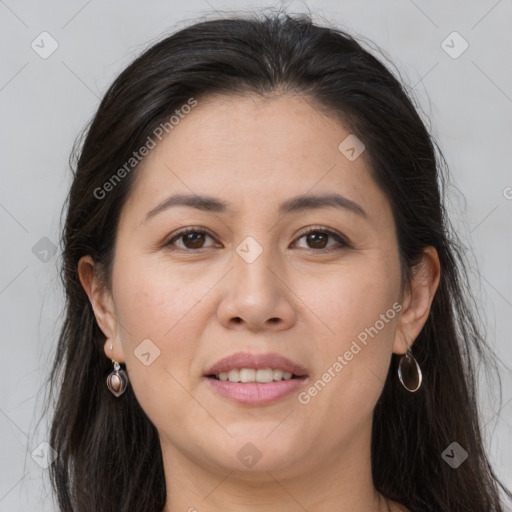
(159, 318)
(153, 301)
(357, 309)
(352, 298)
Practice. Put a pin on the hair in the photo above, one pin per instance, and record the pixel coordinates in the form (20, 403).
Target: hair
(109, 455)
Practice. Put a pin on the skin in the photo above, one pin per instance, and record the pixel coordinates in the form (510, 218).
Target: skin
(255, 153)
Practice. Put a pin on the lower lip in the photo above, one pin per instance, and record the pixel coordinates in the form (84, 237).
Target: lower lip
(255, 393)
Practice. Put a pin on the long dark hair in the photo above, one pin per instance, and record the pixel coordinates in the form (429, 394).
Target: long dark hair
(109, 455)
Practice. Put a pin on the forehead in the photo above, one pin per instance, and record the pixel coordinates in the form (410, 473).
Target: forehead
(251, 152)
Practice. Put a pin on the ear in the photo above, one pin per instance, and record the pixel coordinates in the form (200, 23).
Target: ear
(103, 306)
(418, 300)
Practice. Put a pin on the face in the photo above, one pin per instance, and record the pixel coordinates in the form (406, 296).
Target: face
(250, 279)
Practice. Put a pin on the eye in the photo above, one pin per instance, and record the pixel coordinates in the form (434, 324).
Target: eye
(318, 236)
(193, 238)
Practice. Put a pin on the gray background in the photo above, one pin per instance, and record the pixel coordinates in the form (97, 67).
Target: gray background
(45, 102)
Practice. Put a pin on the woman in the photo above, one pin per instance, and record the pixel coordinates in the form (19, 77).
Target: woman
(266, 305)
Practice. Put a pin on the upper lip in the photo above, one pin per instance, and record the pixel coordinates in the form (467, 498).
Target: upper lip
(247, 360)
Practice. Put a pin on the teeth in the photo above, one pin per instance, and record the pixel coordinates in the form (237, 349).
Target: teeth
(247, 375)
(263, 375)
(234, 376)
(252, 375)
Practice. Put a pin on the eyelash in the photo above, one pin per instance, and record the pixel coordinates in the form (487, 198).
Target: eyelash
(315, 229)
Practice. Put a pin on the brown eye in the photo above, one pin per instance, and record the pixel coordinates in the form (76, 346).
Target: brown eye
(317, 239)
(195, 239)
(190, 238)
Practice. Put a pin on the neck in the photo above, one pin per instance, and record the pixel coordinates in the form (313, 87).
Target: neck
(339, 480)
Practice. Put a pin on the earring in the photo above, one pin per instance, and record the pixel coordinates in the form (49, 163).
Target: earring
(409, 372)
(117, 380)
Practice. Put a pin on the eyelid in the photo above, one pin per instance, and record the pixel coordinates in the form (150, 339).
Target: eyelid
(341, 239)
(185, 231)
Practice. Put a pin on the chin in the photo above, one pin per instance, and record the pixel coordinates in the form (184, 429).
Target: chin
(256, 454)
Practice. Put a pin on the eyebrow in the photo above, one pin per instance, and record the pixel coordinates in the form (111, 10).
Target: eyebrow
(293, 205)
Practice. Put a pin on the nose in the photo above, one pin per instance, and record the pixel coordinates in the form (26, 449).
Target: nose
(257, 296)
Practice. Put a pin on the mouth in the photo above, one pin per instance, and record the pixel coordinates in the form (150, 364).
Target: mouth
(261, 376)
(250, 367)
(255, 379)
